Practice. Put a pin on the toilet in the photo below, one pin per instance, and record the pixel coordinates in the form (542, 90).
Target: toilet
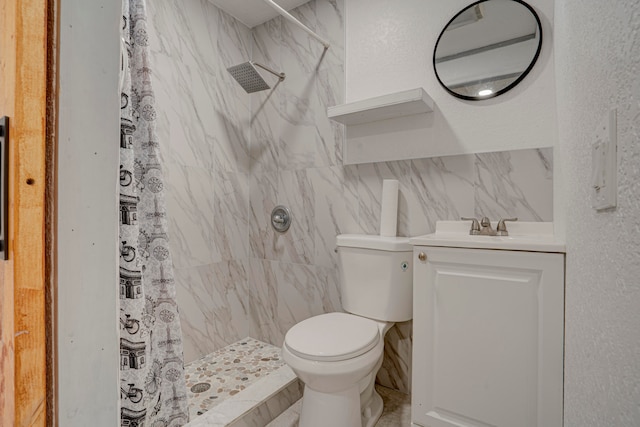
(337, 355)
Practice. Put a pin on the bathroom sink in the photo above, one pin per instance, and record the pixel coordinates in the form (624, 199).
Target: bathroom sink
(523, 236)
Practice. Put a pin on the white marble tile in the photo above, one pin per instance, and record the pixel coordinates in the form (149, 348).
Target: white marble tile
(175, 29)
(296, 192)
(329, 284)
(190, 208)
(300, 105)
(265, 111)
(263, 301)
(515, 184)
(263, 197)
(444, 188)
(289, 418)
(370, 194)
(231, 210)
(213, 306)
(336, 209)
(272, 407)
(309, 138)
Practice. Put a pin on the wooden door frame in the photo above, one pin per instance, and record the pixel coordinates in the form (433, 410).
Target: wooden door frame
(28, 50)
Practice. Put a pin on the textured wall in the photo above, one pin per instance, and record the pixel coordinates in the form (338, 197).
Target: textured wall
(598, 63)
(232, 157)
(390, 48)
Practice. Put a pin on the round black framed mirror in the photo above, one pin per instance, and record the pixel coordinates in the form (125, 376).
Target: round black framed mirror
(487, 48)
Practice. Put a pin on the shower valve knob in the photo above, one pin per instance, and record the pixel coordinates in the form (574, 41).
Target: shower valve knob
(281, 218)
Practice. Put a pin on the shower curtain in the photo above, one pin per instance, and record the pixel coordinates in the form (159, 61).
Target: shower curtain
(152, 384)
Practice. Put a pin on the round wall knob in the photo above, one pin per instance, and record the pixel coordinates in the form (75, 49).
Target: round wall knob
(422, 256)
(281, 218)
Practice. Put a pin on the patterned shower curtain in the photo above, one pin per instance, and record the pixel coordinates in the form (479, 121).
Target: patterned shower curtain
(152, 385)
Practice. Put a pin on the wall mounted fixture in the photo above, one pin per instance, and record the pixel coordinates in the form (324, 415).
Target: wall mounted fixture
(281, 218)
(248, 76)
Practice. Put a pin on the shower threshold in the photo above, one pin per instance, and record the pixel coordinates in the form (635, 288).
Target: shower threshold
(243, 384)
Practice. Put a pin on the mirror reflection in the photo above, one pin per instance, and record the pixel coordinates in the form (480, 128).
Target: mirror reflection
(487, 48)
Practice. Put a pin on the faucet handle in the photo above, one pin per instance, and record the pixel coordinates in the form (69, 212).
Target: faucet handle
(475, 225)
(501, 229)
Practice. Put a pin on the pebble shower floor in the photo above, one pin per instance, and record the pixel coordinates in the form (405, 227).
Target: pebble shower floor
(228, 371)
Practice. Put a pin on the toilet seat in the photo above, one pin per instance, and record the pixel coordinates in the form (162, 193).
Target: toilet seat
(332, 337)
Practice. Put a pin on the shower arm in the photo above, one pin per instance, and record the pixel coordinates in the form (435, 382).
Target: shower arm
(288, 16)
(281, 76)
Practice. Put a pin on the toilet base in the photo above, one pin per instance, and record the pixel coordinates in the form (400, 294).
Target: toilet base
(372, 412)
(340, 409)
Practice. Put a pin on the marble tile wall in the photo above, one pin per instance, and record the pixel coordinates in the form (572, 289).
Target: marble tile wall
(231, 157)
(203, 130)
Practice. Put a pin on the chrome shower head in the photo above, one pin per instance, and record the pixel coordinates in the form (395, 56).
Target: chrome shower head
(249, 78)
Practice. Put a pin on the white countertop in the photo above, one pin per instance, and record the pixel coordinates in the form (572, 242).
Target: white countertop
(523, 236)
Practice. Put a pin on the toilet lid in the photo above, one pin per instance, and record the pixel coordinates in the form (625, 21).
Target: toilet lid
(332, 337)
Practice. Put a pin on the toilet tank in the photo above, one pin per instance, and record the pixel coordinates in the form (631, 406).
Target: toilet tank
(376, 276)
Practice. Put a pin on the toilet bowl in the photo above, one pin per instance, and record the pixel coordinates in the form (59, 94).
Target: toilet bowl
(337, 355)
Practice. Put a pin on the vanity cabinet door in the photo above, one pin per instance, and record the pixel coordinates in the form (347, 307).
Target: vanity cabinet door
(488, 338)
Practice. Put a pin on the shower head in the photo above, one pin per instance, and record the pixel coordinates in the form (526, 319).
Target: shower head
(249, 78)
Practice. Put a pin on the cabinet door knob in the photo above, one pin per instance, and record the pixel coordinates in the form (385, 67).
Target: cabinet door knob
(422, 256)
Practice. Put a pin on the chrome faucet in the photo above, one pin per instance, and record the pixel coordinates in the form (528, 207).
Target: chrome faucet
(475, 226)
(501, 229)
(484, 228)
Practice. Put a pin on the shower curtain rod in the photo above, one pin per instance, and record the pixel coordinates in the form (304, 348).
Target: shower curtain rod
(287, 15)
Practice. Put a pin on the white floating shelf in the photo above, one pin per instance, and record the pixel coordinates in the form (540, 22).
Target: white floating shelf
(393, 105)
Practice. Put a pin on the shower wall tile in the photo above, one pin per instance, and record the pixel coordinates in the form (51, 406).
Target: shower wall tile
(190, 207)
(263, 300)
(515, 184)
(299, 95)
(204, 129)
(231, 208)
(263, 197)
(265, 131)
(294, 190)
(298, 243)
(213, 306)
(265, 113)
(176, 73)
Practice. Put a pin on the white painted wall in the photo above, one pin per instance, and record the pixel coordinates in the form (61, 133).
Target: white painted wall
(597, 62)
(89, 129)
(390, 48)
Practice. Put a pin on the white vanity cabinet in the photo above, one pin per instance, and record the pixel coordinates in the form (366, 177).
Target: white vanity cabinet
(488, 331)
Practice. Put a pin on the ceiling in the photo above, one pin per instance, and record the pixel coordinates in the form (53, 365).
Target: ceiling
(254, 12)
